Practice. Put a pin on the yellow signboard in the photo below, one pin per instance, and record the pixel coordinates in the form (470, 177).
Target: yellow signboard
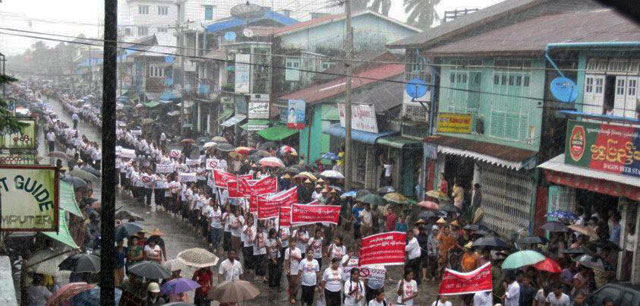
(25, 139)
(454, 123)
(28, 198)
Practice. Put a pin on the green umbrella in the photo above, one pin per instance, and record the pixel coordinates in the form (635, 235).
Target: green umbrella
(521, 259)
(372, 199)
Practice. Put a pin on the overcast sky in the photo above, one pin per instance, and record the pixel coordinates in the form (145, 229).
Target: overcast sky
(73, 17)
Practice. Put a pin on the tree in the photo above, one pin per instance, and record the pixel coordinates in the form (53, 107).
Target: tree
(8, 122)
(422, 13)
(379, 6)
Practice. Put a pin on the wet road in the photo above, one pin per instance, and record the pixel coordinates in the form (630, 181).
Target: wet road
(180, 236)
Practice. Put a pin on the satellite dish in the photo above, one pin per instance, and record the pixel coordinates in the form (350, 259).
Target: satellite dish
(247, 10)
(247, 33)
(230, 36)
(564, 89)
(417, 88)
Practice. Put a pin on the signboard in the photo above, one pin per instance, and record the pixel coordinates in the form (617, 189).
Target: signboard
(454, 123)
(164, 168)
(175, 153)
(187, 177)
(211, 163)
(603, 147)
(193, 162)
(17, 158)
(363, 117)
(29, 198)
(258, 110)
(25, 139)
(243, 73)
(457, 283)
(383, 249)
(302, 214)
(296, 114)
(374, 274)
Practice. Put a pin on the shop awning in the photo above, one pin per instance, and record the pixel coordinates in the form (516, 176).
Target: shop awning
(360, 136)
(618, 185)
(399, 142)
(277, 133)
(63, 235)
(225, 114)
(495, 154)
(68, 199)
(151, 104)
(255, 125)
(234, 120)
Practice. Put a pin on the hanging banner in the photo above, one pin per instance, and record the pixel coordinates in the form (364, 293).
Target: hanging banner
(238, 188)
(187, 177)
(603, 147)
(175, 154)
(211, 163)
(285, 216)
(192, 162)
(302, 214)
(457, 283)
(454, 123)
(296, 114)
(383, 249)
(164, 168)
(29, 198)
(265, 185)
(25, 139)
(363, 117)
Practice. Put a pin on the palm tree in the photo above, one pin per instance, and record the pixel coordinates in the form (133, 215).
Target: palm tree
(422, 13)
(381, 6)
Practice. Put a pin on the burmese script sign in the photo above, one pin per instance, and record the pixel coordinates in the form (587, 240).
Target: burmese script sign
(28, 198)
(383, 249)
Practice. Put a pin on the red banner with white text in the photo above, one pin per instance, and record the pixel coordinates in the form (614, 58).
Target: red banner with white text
(222, 178)
(383, 249)
(302, 214)
(269, 207)
(285, 216)
(456, 283)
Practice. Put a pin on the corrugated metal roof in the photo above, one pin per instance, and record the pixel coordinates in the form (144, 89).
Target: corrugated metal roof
(533, 35)
(496, 154)
(360, 136)
(557, 164)
(234, 22)
(317, 93)
(383, 96)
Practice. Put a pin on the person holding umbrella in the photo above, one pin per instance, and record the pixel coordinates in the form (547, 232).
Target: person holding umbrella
(204, 278)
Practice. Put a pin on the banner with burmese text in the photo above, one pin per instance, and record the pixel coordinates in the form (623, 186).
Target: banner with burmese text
(383, 249)
(457, 283)
(302, 214)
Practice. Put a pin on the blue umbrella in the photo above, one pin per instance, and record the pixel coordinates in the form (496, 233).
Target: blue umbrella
(562, 214)
(179, 285)
(348, 194)
(92, 297)
(330, 155)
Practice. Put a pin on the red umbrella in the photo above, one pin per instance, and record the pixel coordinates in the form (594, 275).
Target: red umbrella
(243, 150)
(65, 293)
(548, 265)
(188, 140)
(429, 205)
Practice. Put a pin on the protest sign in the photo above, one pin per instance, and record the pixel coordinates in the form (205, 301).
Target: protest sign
(373, 273)
(164, 168)
(192, 162)
(456, 283)
(285, 216)
(187, 177)
(302, 214)
(222, 178)
(127, 153)
(211, 163)
(175, 154)
(383, 249)
(238, 188)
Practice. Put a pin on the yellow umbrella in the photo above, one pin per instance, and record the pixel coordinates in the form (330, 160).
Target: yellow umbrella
(306, 174)
(395, 197)
(438, 195)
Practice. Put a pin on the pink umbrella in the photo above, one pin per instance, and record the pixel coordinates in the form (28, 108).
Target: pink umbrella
(288, 150)
(429, 205)
(548, 265)
(65, 293)
(271, 162)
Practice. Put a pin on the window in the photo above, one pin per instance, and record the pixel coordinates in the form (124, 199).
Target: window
(142, 31)
(156, 72)
(599, 85)
(143, 9)
(208, 12)
(620, 86)
(163, 10)
(162, 30)
(127, 31)
(632, 87)
(588, 88)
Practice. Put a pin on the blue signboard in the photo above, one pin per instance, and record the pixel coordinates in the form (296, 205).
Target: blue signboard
(564, 90)
(417, 88)
(296, 114)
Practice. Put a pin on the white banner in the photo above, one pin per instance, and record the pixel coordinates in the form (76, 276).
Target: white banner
(164, 168)
(363, 117)
(127, 153)
(188, 177)
(136, 132)
(193, 162)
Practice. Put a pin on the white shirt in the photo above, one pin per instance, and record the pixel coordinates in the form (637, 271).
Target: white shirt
(332, 279)
(316, 246)
(260, 244)
(387, 170)
(358, 292)
(235, 220)
(482, 299)
(373, 302)
(51, 136)
(216, 217)
(309, 270)
(337, 251)
(413, 248)
(75, 117)
(441, 303)
(562, 301)
(301, 245)
(293, 263)
(155, 252)
(512, 295)
(230, 271)
(408, 289)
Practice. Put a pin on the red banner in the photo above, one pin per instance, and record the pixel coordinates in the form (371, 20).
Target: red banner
(456, 283)
(302, 214)
(285, 216)
(383, 249)
(243, 188)
(238, 188)
(222, 178)
(269, 207)
(266, 185)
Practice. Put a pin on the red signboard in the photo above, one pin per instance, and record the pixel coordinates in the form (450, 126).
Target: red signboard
(456, 283)
(269, 207)
(383, 249)
(222, 178)
(302, 214)
(264, 186)
(285, 216)
(241, 187)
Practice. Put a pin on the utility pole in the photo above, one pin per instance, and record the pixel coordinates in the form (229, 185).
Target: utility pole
(182, 74)
(347, 100)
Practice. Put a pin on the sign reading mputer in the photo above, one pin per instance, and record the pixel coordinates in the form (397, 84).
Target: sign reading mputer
(28, 198)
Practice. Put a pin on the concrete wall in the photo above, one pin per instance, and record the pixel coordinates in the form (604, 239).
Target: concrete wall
(7, 290)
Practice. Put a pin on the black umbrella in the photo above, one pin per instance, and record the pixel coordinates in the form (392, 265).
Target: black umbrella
(385, 190)
(532, 240)
(490, 242)
(125, 215)
(127, 230)
(150, 270)
(268, 145)
(292, 170)
(475, 227)
(427, 214)
(554, 226)
(606, 244)
(81, 263)
(225, 147)
(449, 208)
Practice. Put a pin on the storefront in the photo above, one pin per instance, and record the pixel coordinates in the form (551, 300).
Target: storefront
(404, 154)
(600, 172)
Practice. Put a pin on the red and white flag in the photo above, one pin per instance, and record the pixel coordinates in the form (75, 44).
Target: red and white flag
(456, 283)
(302, 214)
(383, 249)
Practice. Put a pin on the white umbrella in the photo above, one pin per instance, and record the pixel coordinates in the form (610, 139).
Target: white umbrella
(210, 144)
(46, 261)
(198, 257)
(271, 162)
(332, 174)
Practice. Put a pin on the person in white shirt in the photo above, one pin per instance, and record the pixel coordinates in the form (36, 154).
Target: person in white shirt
(482, 299)
(443, 301)
(215, 222)
(273, 258)
(75, 120)
(302, 238)
(308, 274)
(354, 289)
(230, 269)
(235, 225)
(413, 253)
(407, 288)
(153, 252)
(260, 253)
(315, 244)
(51, 139)
(337, 249)
(379, 300)
(332, 283)
(512, 292)
(292, 257)
(348, 262)
(558, 298)
(247, 237)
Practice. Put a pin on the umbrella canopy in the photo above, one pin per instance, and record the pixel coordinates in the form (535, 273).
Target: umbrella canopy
(198, 257)
(292, 170)
(235, 154)
(91, 297)
(332, 174)
(179, 285)
(554, 226)
(532, 240)
(590, 262)
(83, 174)
(208, 145)
(81, 263)
(429, 205)
(548, 265)
(521, 259)
(77, 182)
(585, 230)
(58, 154)
(576, 251)
(150, 270)
(125, 215)
(449, 208)
(331, 156)
(396, 198)
(372, 199)
(427, 214)
(219, 139)
(233, 292)
(348, 194)
(186, 141)
(46, 261)
(127, 230)
(288, 150)
(224, 147)
(362, 192)
(474, 227)
(437, 194)
(64, 294)
(490, 242)
(175, 265)
(268, 145)
(306, 175)
(562, 214)
(272, 162)
(243, 150)
(385, 190)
